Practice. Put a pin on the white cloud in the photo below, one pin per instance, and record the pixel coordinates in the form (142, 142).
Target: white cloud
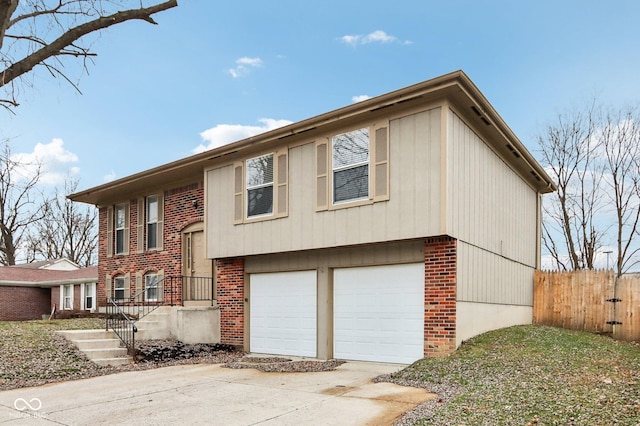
(360, 98)
(109, 176)
(377, 36)
(223, 134)
(55, 162)
(244, 66)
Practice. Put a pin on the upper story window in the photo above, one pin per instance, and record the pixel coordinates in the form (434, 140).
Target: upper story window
(120, 227)
(152, 222)
(350, 165)
(259, 181)
(261, 187)
(150, 225)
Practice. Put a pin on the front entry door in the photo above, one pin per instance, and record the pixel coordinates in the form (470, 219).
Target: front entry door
(197, 268)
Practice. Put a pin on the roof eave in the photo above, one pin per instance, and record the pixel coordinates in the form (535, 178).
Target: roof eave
(457, 78)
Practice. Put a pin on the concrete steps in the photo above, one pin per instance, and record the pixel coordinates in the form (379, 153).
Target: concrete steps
(155, 325)
(100, 346)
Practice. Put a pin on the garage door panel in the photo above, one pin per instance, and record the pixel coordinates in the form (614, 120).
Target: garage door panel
(283, 313)
(379, 313)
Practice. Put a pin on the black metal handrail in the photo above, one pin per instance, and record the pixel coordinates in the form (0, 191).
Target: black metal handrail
(141, 304)
(197, 289)
(123, 313)
(122, 325)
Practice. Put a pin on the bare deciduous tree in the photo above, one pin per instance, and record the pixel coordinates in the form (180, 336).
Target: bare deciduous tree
(570, 154)
(21, 204)
(594, 158)
(45, 32)
(69, 230)
(620, 141)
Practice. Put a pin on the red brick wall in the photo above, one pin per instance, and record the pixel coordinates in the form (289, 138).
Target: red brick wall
(24, 303)
(440, 265)
(230, 285)
(179, 212)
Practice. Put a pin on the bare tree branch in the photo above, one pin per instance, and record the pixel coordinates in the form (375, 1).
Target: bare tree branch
(7, 8)
(43, 31)
(57, 46)
(21, 204)
(69, 231)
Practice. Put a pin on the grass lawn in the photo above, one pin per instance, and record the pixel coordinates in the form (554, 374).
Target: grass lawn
(534, 375)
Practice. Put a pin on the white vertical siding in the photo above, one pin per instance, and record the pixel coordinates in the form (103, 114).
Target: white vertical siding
(489, 205)
(411, 212)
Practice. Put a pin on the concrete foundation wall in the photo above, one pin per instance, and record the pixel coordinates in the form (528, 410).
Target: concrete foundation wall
(478, 318)
(197, 324)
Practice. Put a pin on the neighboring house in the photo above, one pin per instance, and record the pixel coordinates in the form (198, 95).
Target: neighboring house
(387, 230)
(32, 290)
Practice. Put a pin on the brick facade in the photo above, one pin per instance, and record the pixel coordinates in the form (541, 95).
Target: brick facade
(440, 286)
(230, 285)
(182, 207)
(440, 266)
(24, 303)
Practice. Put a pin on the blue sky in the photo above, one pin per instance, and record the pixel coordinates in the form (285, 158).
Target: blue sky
(213, 72)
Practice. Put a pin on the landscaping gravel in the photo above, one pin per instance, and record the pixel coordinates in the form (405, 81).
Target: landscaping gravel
(284, 365)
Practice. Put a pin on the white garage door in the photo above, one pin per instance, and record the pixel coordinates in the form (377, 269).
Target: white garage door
(283, 313)
(379, 313)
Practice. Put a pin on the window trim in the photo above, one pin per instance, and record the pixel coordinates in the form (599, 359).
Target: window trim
(355, 165)
(142, 225)
(146, 288)
(64, 298)
(379, 162)
(117, 279)
(280, 185)
(271, 184)
(147, 222)
(117, 208)
(88, 290)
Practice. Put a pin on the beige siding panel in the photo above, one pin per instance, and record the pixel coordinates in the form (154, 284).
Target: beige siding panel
(345, 257)
(490, 206)
(411, 212)
(485, 277)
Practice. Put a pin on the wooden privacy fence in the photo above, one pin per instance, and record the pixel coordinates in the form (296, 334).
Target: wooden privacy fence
(588, 300)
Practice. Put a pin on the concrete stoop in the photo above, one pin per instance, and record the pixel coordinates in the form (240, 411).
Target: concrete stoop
(155, 325)
(100, 346)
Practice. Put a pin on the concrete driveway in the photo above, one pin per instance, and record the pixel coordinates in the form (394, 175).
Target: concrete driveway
(213, 395)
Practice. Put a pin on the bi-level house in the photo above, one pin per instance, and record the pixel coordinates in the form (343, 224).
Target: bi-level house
(387, 230)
